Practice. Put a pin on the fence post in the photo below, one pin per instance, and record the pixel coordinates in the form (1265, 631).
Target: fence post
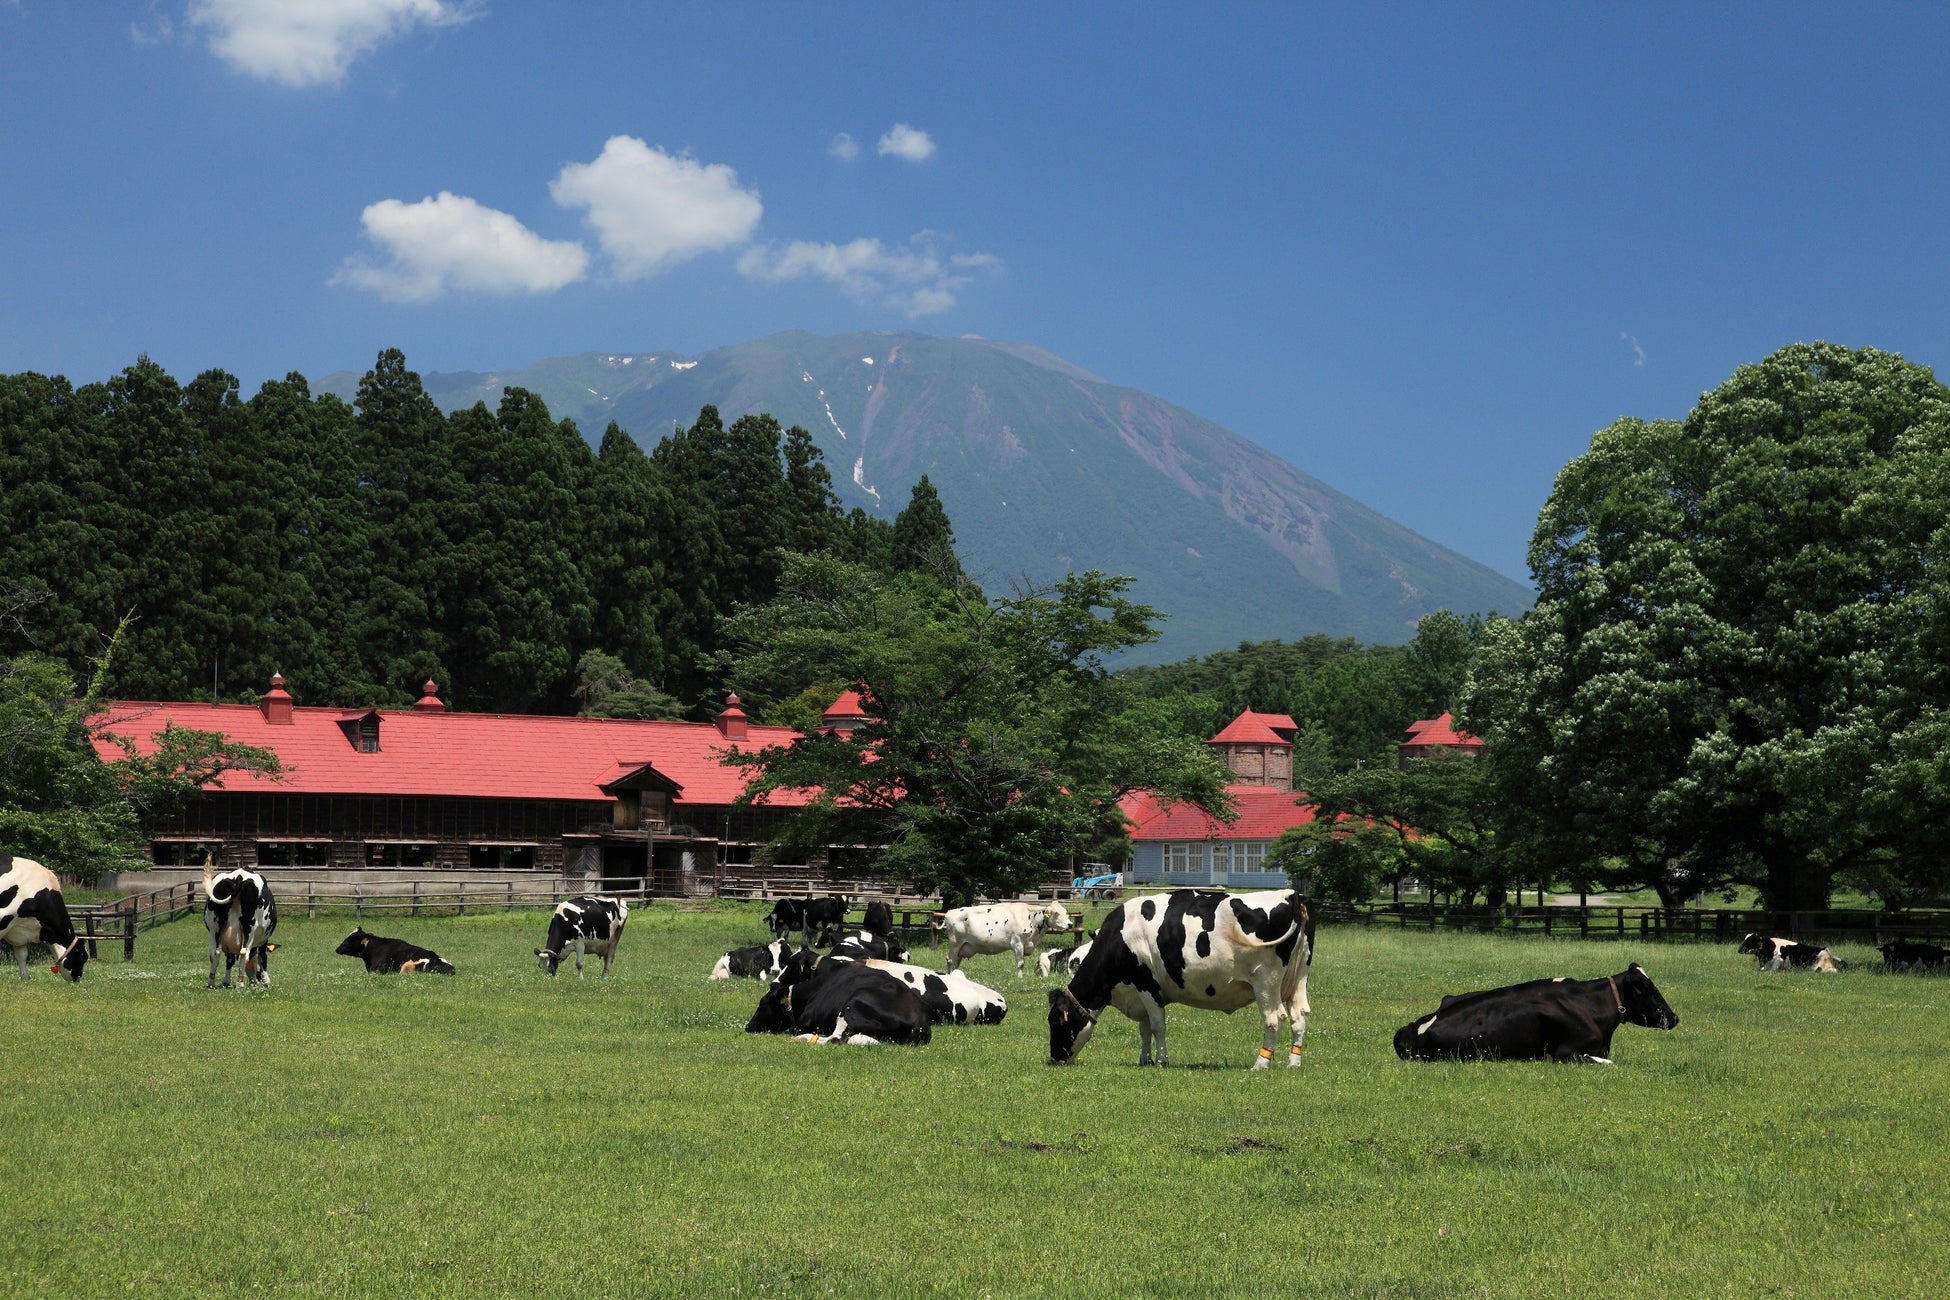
(358, 900)
(463, 898)
(128, 935)
(311, 898)
(511, 894)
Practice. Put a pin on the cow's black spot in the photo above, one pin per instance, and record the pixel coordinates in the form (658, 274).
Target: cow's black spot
(1211, 991)
(1201, 905)
(7, 894)
(1148, 909)
(1204, 944)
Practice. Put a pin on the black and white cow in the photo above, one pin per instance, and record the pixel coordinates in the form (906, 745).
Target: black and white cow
(32, 911)
(880, 918)
(1556, 1019)
(843, 1002)
(862, 944)
(950, 996)
(390, 956)
(1200, 947)
(240, 915)
(809, 916)
(591, 923)
(1000, 927)
(1066, 959)
(1906, 954)
(1780, 954)
(765, 961)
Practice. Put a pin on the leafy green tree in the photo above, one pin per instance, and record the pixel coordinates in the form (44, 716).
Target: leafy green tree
(1433, 818)
(628, 514)
(608, 691)
(923, 539)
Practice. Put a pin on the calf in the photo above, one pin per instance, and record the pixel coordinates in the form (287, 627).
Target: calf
(390, 956)
(1000, 927)
(861, 944)
(1199, 947)
(591, 923)
(950, 996)
(880, 918)
(843, 1002)
(240, 915)
(1779, 954)
(1555, 1019)
(765, 961)
(32, 911)
(1068, 958)
(1905, 954)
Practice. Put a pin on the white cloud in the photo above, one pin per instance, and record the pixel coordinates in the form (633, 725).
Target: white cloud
(915, 278)
(844, 147)
(451, 243)
(312, 42)
(906, 142)
(1638, 353)
(652, 209)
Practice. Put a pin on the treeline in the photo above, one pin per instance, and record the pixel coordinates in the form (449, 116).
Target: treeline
(363, 549)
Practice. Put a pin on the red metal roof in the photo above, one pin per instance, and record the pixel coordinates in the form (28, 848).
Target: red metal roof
(468, 755)
(1263, 813)
(848, 705)
(1251, 728)
(1440, 731)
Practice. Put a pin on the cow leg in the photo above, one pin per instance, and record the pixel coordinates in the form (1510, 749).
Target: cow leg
(264, 965)
(1020, 947)
(21, 953)
(579, 956)
(954, 957)
(1297, 1010)
(213, 960)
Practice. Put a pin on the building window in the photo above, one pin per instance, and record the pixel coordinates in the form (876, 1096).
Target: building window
(182, 853)
(501, 857)
(369, 735)
(1182, 859)
(293, 853)
(1248, 857)
(399, 855)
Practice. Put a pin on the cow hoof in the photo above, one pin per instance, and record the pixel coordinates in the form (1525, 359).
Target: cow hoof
(1259, 1063)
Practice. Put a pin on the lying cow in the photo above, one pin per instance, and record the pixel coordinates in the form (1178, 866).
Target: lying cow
(843, 1002)
(392, 956)
(32, 911)
(862, 944)
(1000, 927)
(1906, 954)
(1780, 954)
(591, 923)
(240, 915)
(950, 996)
(809, 916)
(1199, 947)
(1049, 959)
(1556, 1019)
(765, 961)
(880, 918)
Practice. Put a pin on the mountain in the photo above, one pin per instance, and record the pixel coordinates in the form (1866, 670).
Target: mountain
(1044, 468)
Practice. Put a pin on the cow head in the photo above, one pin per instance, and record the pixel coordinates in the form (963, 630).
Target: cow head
(831, 935)
(896, 950)
(1642, 1001)
(774, 1014)
(69, 960)
(1070, 1026)
(548, 960)
(355, 943)
(1056, 919)
(1751, 943)
(798, 966)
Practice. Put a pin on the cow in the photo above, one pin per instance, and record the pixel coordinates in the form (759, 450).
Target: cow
(1200, 947)
(1068, 958)
(1556, 1019)
(240, 915)
(880, 918)
(1779, 954)
(809, 916)
(1000, 927)
(843, 1002)
(950, 996)
(390, 956)
(591, 923)
(32, 911)
(861, 944)
(765, 961)
(1906, 954)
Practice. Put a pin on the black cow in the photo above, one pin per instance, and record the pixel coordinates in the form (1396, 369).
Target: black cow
(240, 915)
(809, 916)
(32, 911)
(1906, 954)
(843, 1002)
(1559, 1019)
(591, 923)
(862, 944)
(880, 918)
(1780, 954)
(765, 961)
(390, 956)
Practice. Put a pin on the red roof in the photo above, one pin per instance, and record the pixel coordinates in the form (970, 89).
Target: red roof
(848, 705)
(1263, 813)
(468, 755)
(1251, 728)
(1440, 731)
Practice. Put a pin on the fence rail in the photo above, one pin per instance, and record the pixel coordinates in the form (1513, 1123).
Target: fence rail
(1726, 925)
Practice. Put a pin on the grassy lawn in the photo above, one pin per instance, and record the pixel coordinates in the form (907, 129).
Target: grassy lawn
(500, 1133)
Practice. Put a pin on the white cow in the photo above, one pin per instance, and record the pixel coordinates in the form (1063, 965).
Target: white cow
(1000, 927)
(1199, 947)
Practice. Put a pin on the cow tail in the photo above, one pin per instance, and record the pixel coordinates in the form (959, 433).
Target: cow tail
(1297, 970)
(209, 877)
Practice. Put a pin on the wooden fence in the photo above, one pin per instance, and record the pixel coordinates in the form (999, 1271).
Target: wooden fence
(1716, 925)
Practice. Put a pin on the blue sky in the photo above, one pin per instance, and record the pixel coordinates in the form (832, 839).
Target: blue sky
(1420, 251)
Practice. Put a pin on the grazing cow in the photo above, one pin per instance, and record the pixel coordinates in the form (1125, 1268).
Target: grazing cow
(1200, 947)
(390, 956)
(880, 918)
(240, 915)
(1000, 927)
(843, 1002)
(1905, 954)
(1559, 1019)
(1779, 954)
(591, 923)
(809, 916)
(32, 911)
(1068, 958)
(861, 944)
(950, 996)
(765, 961)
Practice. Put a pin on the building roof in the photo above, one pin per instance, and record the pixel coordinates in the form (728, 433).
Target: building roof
(848, 705)
(1263, 813)
(1251, 728)
(466, 755)
(1440, 731)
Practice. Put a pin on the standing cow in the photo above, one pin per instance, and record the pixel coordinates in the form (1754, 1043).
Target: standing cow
(1556, 1019)
(32, 911)
(240, 915)
(809, 916)
(1199, 947)
(1000, 927)
(591, 923)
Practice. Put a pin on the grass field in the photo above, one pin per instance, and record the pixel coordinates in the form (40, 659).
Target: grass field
(503, 1133)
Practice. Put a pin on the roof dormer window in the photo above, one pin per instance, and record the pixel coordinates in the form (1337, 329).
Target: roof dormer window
(361, 730)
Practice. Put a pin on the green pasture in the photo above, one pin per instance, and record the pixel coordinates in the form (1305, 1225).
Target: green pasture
(504, 1133)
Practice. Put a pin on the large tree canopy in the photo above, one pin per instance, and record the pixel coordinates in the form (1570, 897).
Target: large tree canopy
(1738, 667)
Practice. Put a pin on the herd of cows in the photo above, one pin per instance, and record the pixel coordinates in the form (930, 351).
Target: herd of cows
(1197, 948)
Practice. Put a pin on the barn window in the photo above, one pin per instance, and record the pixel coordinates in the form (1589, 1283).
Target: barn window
(387, 853)
(183, 853)
(294, 853)
(501, 857)
(369, 735)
